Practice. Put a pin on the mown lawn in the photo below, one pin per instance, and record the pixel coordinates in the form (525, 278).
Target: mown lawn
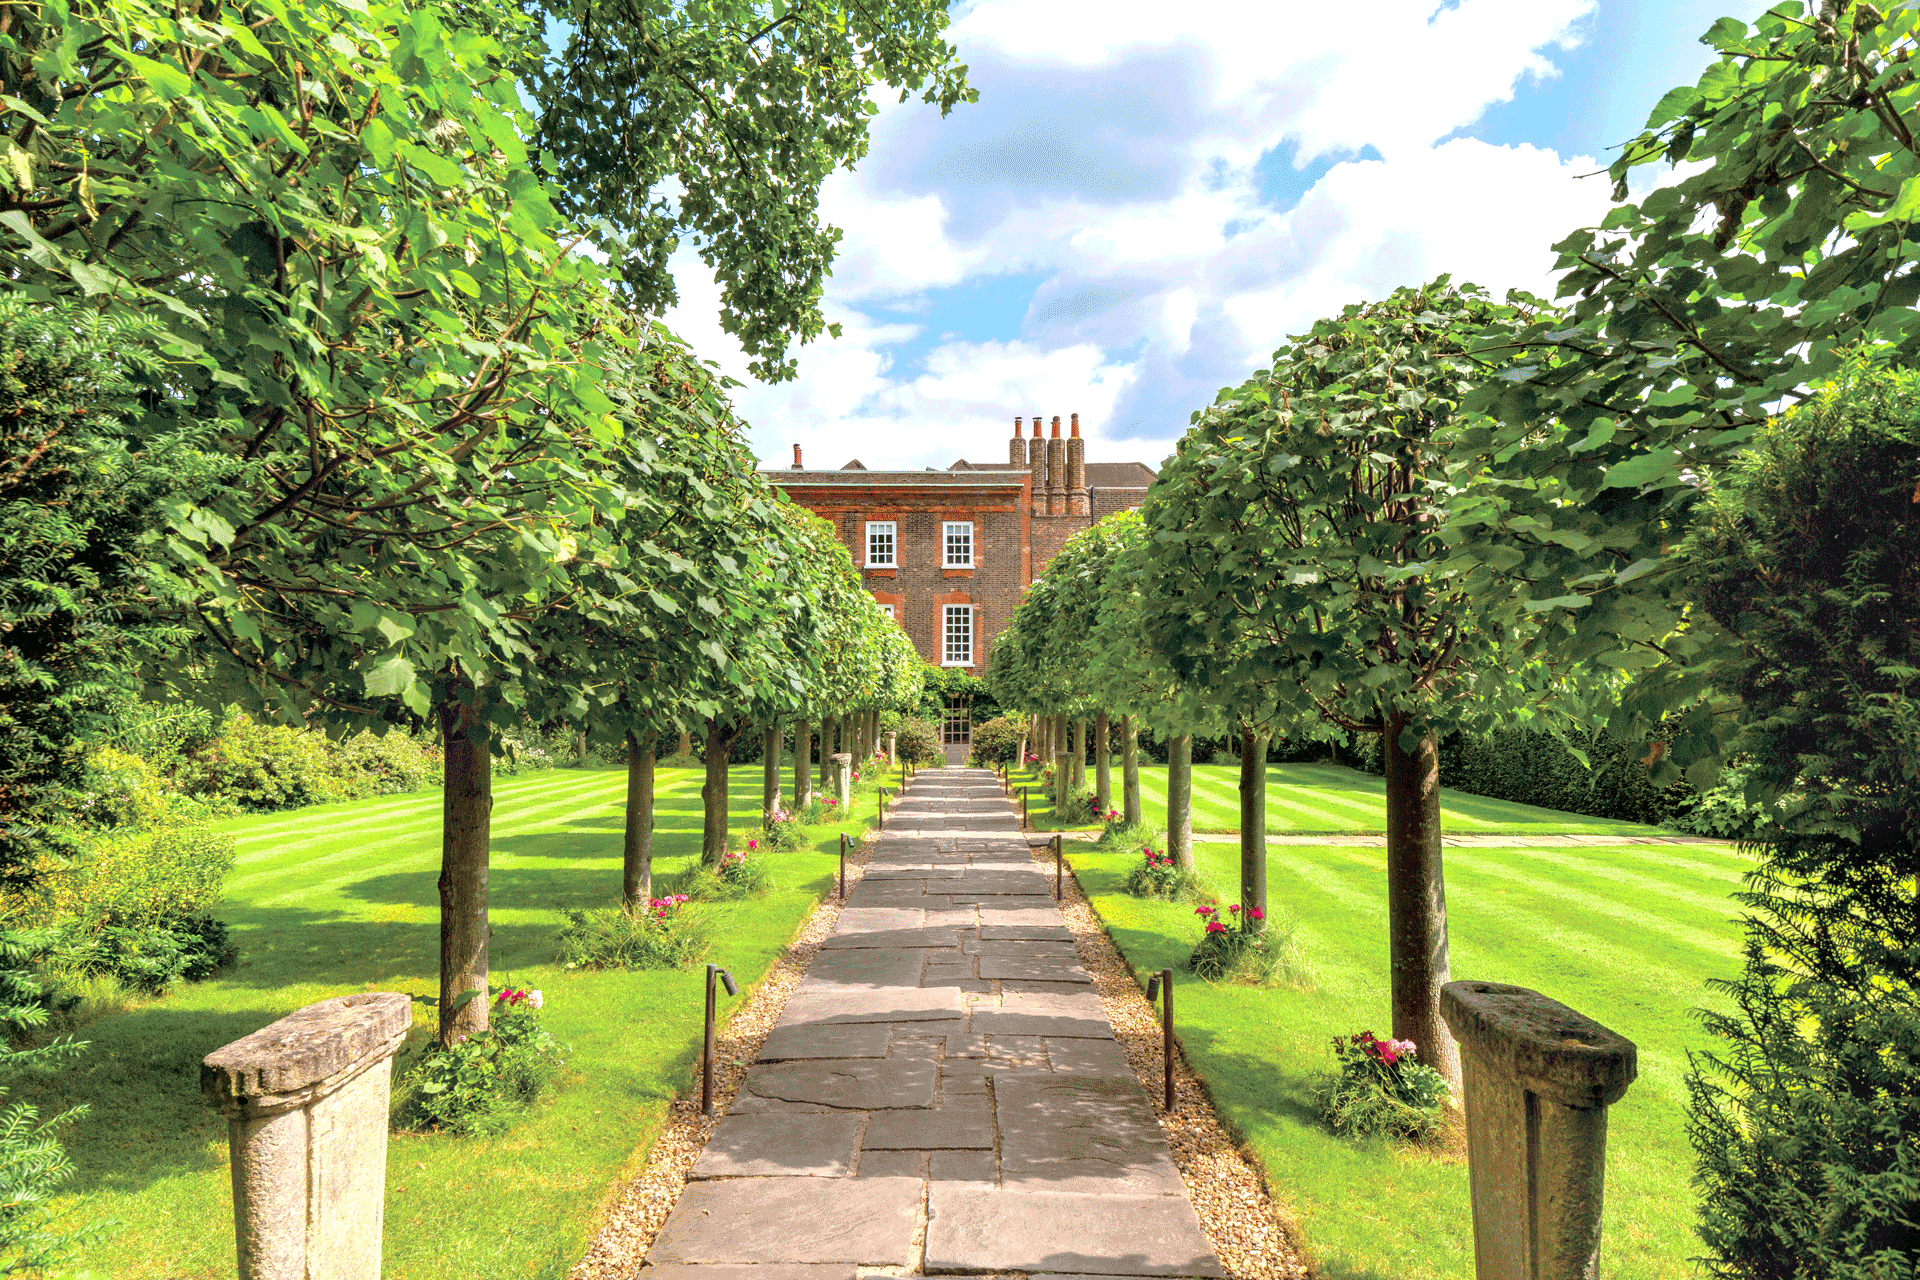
(1626, 935)
(1330, 799)
(342, 898)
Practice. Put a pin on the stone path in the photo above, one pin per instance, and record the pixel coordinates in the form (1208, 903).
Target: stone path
(943, 1093)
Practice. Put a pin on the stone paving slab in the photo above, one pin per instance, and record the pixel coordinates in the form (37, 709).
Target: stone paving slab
(943, 1093)
(869, 1222)
(1094, 1135)
(831, 1040)
(764, 1271)
(855, 1085)
(773, 1145)
(973, 1226)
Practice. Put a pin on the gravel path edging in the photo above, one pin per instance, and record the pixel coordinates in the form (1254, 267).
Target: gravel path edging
(635, 1218)
(1254, 1237)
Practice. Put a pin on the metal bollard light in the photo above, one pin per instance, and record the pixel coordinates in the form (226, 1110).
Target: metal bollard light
(883, 807)
(1162, 983)
(843, 866)
(1056, 868)
(1023, 810)
(706, 1058)
(1538, 1079)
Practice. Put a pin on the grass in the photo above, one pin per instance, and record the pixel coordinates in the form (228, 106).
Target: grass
(1625, 935)
(1329, 799)
(342, 898)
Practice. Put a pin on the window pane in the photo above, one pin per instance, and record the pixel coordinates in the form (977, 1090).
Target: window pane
(880, 544)
(958, 646)
(959, 545)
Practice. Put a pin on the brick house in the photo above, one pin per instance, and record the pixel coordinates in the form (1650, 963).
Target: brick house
(949, 553)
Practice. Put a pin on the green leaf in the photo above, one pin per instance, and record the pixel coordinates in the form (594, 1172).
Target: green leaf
(389, 677)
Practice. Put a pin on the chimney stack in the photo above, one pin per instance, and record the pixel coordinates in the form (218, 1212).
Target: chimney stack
(1017, 450)
(796, 459)
(1056, 472)
(1079, 501)
(1037, 464)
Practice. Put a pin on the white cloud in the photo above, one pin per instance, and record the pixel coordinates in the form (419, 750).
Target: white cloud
(1113, 156)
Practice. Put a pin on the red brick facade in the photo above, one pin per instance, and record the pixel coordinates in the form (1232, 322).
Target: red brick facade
(1021, 514)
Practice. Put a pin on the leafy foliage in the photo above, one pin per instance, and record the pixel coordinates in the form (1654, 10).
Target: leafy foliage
(1380, 1088)
(483, 1084)
(743, 114)
(1158, 877)
(1806, 1108)
(77, 510)
(996, 741)
(664, 933)
(918, 740)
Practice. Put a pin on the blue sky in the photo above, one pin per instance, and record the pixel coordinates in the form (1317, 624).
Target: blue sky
(1148, 199)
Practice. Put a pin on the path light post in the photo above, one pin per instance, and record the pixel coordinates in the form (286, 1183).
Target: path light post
(1162, 982)
(1056, 868)
(1538, 1079)
(1024, 825)
(706, 1059)
(882, 824)
(843, 866)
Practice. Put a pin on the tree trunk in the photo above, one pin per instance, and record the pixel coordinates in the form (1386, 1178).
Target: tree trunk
(770, 773)
(1253, 827)
(802, 763)
(466, 818)
(686, 744)
(829, 726)
(1079, 755)
(713, 793)
(1417, 899)
(1129, 769)
(1180, 800)
(1102, 766)
(636, 854)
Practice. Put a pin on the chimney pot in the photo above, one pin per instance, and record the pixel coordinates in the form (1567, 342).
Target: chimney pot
(1076, 426)
(1056, 426)
(1036, 426)
(796, 459)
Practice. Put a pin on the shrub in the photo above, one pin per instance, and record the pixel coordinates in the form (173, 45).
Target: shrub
(1158, 877)
(919, 741)
(262, 766)
(743, 873)
(995, 741)
(145, 958)
(138, 877)
(1380, 1088)
(383, 764)
(1077, 811)
(784, 829)
(481, 1085)
(664, 934)
(1264, 952)
(1805, 1102)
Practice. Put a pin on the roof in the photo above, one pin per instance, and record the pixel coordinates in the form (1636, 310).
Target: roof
(975, 476)
(1119, 475)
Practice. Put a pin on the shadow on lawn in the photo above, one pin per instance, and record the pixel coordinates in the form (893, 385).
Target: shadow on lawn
(140, 1078)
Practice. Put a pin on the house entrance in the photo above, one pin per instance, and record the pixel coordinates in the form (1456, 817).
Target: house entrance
(957, 728)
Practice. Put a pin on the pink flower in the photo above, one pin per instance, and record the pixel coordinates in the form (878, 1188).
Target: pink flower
(1234, 909)
(1214, 926)
(753, 844)
(1258, 914)
(1203, 911)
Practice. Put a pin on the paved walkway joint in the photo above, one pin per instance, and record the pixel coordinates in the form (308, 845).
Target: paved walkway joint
(943, 1093)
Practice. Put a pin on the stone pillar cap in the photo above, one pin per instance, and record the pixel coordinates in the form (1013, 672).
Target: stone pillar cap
(1545, 1046)
(842, 755)
(309, 1047)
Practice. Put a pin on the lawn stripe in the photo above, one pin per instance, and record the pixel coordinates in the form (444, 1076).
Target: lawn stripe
(423, 807)
(1589, 903)
(1531, 926)
(411, 834)
(261, 826)
(1593, 863)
